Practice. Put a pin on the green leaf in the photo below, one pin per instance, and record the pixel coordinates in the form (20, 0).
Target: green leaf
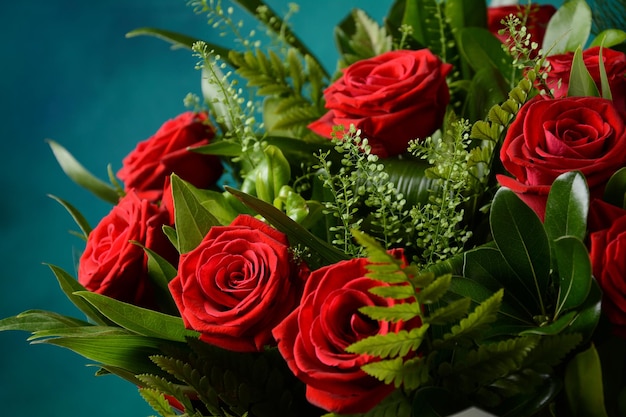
(140, 320)
(359, 37)
(77, 173)
(609, 38)
(36, 320)
(193, 221)
(522, 240)
(589, 313)
(482, 50)
(567, 207)
(129, 352)
(396, 312)
(298, 235)
(615, 190)
(574, 268)
(605, 87)
(433, 292)
(453, 311)
(80, 220)
(397, 292)
(70, 285)
(569, 28)
(553, 328)
(161, 272)
(583, 385)
(220, 148)
(581, 83)
(390, 344)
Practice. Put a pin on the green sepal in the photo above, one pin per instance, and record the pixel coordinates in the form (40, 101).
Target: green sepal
(567, 207)
(139, 320)
(193, 220)
(77, 173)
(70, 285)
(559, 37)
(581, 83)
(80, 220)
(325, 254)
(583, 385)
(523, 242)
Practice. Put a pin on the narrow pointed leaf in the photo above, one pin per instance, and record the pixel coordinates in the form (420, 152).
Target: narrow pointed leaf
(139, 320)
(522, 240)
(581, 83)
(70, 285)
(77, 173)
(193, 221)
(34, 320)
(567, 207)
(574, 269)
(605, 87)
(583, 385)
(80, 220)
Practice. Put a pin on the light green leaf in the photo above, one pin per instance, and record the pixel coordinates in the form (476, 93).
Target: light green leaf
(220, 148)
(583, 385)
(391, 344)
(609, 38)
(581, 83)
(398, 292)
(77, 173)
(396, 312)
(193, 221)
(567, 206)
(433, 292)
(522, 240)
(36, 320)
(574, 268)
(140, 320)
(605, 87)
(80, 220)
(569, 28)
(453, 311)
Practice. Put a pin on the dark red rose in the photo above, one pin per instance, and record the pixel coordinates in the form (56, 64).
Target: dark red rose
(552, 136)
(392, 98)
(314, 337)
(154, 159)
(114, 266)
(614, 64)
(608, 260)
(238, 284)
(537, 18)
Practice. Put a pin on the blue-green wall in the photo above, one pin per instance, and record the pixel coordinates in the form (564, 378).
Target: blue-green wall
(68, 73)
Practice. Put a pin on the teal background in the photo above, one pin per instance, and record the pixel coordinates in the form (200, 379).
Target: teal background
(69, 74)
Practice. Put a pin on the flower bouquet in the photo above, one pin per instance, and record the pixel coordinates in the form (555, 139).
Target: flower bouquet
(437, 225)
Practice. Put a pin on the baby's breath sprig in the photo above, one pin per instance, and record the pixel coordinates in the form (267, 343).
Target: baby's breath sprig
(361, 182)
(221, 19)
(438, 222)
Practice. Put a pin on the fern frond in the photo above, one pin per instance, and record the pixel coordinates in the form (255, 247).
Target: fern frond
(157, 401)
(551, 350)
(453, 311)
(395, 371)
(390, 344)
(394, 313)
(434, 291)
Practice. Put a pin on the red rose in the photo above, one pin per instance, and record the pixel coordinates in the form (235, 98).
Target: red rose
(537, 19)
(614, 64)
(608, 259)
(314, 337)
(553, 136)
(113, 266)
(154, 159)
(237, 285)
(392, 98)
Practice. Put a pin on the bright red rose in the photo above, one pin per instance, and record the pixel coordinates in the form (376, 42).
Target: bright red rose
(614, 64)
(113, 266)
(608, 259)
(552, 136)
(314, 337)
(154, 159)
(238, 284)
(537, 18)
(392, 98)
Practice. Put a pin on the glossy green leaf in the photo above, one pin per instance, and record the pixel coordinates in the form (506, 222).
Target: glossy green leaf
(568, 29)
(423, 17)
(466, 13)
(139, 320)
(129, 352)
(589, 313)
(193, 220)
(70, 285)
(615, 190)
(298, 235)
(581, 83)
(554, 327)
(567, 207)
(77, 173)
(409, 177)
(220, 148)
(161, 272)
(583, 385)
(487, 89)
(80, 220)
(605, 87)
(34, 320)
(483, 50)
(574, 269)
(530, 404)
(522, 240)
(609, 38)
